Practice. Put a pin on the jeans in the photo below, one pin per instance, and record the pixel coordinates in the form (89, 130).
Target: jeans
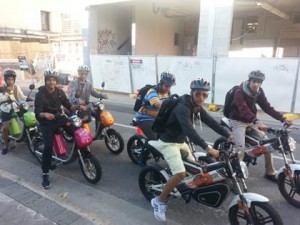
(239, 132)
(48, 129)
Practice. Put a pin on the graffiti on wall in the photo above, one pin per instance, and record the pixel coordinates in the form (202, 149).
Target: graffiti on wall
(106, 41)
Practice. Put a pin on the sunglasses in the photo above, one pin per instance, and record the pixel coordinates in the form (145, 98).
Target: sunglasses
(256, 81)
(199, 94)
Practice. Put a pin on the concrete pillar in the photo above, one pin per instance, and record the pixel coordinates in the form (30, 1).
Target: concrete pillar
(214, 27)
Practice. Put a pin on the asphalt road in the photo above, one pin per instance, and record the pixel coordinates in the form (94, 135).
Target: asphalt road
(120, 178)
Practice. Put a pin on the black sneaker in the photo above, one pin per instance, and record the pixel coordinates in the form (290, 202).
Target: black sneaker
(271, 178)
(4, 151)
(46, 183)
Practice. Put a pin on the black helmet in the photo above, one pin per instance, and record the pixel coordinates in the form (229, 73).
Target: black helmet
(9, 73)
(200, 84)
(167, 78)
(257, 74)
(50, 73)
(83, 68)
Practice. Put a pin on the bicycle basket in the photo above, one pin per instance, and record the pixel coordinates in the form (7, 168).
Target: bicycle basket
(29, 119)
(106, 119)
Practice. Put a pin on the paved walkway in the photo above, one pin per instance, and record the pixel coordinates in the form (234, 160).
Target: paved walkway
(20, 205)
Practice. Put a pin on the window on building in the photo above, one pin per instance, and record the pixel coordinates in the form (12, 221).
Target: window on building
(45, 21)
(176, 39)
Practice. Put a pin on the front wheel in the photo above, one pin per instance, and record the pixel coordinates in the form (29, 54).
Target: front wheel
(290, 192)
(149, 177)
(134, 147)
(114, 141)
(38, 146)
(90, 168)
(260, 213)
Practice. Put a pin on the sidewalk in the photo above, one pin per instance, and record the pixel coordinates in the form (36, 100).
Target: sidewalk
(20, 205)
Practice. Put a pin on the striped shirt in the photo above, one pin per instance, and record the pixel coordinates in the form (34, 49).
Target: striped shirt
(148, 111)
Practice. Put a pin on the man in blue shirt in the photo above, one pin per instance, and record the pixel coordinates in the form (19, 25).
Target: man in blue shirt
(152, 102)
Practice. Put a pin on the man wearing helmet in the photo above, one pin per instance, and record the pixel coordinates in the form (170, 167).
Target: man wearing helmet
(243, 115)
(48, 102)
(82, 89)
(9, 92)
(152, 102)
(180, 125)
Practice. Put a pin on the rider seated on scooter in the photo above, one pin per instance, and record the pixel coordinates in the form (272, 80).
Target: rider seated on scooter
(48, 102)
(13, 92)
(151, 103)
(81, 90)
(180, 125)
(243, 115)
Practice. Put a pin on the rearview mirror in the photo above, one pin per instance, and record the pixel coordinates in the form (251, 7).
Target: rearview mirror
(103, 84)
(31, 86)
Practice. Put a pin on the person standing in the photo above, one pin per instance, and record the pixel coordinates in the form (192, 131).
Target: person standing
(48, 103)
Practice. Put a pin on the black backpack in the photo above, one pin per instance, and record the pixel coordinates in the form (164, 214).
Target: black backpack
(164, 113)
(229, 100)
(140, 96)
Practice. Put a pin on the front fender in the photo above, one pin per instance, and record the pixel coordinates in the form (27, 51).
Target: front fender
(161, 170)
(250, 197)
(293, 167)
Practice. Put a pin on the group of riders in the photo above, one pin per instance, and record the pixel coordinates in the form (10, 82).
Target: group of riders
(180, 125)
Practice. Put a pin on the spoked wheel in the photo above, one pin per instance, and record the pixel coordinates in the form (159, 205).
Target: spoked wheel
(30, 140)
(134, 147)
(148, 178)
(90, 168)
(114, 141)
(290, 192)
(261, 213)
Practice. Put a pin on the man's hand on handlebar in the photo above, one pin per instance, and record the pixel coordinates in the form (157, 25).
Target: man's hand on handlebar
(48, 116)
(213, 152)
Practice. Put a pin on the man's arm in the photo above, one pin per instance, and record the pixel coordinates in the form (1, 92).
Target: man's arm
(183, 115)
(267, 108)
(213, 124)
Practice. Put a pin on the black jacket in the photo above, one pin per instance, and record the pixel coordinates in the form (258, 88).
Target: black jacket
(50, 102)
(180, 124)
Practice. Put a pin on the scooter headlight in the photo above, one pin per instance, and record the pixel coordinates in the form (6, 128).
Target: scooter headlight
(25, 106)
(76, 121)
(244, 169)
(102, 106)
(292, 144)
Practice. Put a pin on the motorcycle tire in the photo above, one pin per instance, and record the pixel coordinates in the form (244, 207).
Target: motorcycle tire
(30, 141)
(114, 142)
(18, 139)
(134, 147)
(292, 195)
(261, 212)
(92, 170)
(150, 175)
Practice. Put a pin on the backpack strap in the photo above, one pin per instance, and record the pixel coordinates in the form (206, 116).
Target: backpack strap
(16, 92)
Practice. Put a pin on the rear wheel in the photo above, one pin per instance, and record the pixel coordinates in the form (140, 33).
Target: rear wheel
(114, 141)
(134, 147)
(288, 191)
(260, 212)
(90, 168)
(149, 177)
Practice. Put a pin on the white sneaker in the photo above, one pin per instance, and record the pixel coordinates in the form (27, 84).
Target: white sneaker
(159, 209)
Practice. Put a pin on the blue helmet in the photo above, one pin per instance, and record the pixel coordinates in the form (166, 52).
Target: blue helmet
(200, 84)
(167, 78)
